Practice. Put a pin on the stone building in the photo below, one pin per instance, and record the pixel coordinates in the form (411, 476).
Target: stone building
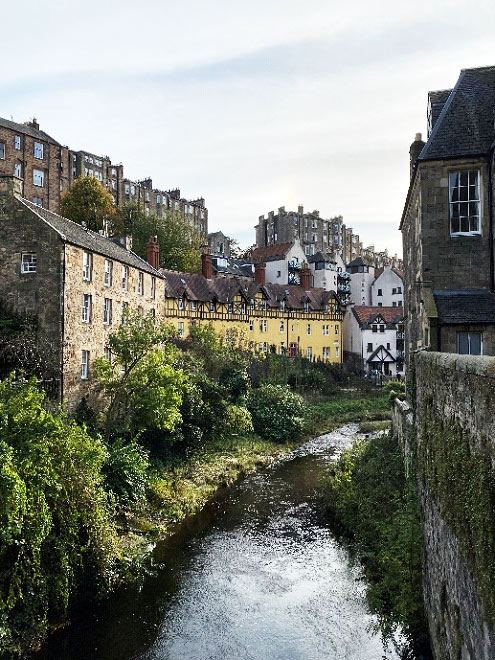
(447, 223)
(48, 168)
(78, 284)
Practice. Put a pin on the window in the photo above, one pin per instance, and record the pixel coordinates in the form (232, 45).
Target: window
(282, 326)
(388, 346)
(308, 328)
(125, 277)
(158, 199)
(38, 150)
(470, 343)
(86, 308)
(243, 307)
(28, 262)
(126, 188)
(379, 304)
(192, 305)
(125, 312)
(108, 272)
(279, 273)
(251, 324)
(87, 266)
(18, 170)
(107, 311)
(213, 306)
(263, 305)
(282, 348)
(84, 364)
(309, 352)
(38, 201)
(336, 351)
(326, 352)
(306, 307)
(382, 328)
(263, 325)
(181, 304)
(399, 289)
(17, 142)
(325, 329)
(370, 347)
(399, 303)
(107, 352)
(336, 329)
(464, 195)
(133, 190)
(394, 304)
(180, 327)
(374, 328)
(230, 308)
(282, 305)
(394, 291)
(379, 292)
(153, 287)
(38, 176)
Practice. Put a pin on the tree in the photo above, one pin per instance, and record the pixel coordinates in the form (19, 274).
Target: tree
(180, 244)
(87, 201)
(143, 387)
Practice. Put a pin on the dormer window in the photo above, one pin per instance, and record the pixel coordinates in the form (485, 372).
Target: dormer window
(213, 306)
(181, 304)
(230, 308)
(306, 307)
(282, 305)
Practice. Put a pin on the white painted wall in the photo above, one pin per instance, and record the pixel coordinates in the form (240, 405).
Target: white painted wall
(361, 287)
(386, 283)
(273, 268)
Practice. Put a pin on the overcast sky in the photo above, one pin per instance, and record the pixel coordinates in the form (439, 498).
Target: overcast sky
(252, 105)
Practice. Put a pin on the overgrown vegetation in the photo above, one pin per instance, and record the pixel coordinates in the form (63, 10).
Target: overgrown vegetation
(462, 480)
(376, 507)
(88, 202)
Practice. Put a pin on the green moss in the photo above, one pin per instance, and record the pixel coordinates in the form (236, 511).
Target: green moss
(462, 479)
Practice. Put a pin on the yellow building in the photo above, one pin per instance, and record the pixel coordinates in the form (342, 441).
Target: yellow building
(293, 320)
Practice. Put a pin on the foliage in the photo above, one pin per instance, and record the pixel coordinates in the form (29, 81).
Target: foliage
(180, 244)
(126, 470)
(462, 480)
(341, 411)
(142, 386)
(55, 534)
(277, 413)
(87, 201)
(375, 505)
(396, 389)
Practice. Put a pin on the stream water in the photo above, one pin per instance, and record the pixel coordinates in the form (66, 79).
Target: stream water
(257, 575)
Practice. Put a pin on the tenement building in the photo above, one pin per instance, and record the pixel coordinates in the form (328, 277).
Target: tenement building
(447, 223)
(80, 286)
(48, 168)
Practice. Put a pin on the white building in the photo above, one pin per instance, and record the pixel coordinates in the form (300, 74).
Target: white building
(375, 336)
(329, 272)
(283, 261)
(362, 277)
(387, 289)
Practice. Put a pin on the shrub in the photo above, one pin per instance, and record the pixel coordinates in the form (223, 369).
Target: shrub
(277, 413)
(239, 420)
(125, 470)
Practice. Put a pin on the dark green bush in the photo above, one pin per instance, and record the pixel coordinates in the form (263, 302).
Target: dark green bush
(125, 470)
(277, 413)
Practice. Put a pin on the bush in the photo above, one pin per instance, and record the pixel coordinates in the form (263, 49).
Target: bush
(125, 470)
(277, 413)
(55, 534)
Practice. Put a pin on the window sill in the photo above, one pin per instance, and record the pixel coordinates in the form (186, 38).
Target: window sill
(465, 233)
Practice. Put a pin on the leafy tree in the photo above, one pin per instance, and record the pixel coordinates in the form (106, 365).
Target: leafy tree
(87, 201)
(277, 413)
(55, 534)
(180, 244)
(141, 384)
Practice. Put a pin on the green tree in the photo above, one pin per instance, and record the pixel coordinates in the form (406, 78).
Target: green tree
(55, 534)
(277, 413)
(180, 244)
(142, 386)
(87, 201)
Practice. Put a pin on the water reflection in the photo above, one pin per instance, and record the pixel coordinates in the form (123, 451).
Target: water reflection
(257, 575)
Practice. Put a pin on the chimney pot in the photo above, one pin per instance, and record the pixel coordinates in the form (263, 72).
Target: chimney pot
(260, 273)
(153, 252)
(305, 277)
(207, 265)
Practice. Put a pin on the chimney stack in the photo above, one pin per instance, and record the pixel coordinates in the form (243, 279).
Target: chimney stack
(207, 265)
(305, 277)
(153, 252)
(260, 273)
(414, 151)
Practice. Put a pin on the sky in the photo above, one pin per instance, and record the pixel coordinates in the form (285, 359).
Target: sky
(252, 105)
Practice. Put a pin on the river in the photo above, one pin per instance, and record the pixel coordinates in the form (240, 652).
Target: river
(257, 575)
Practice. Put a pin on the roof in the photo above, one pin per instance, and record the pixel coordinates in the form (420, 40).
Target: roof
(380, 270)
(75, 234)
(366, 314)
(224, 289)
(27, 130)
(465, 306)
(465, 125)
(233, 266)
(358, 261)
(320, 256)
(270, 252)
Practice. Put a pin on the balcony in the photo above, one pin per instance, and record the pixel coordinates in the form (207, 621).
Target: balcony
(294, 265)
(344, 288)
(400, 335)
(344, 276)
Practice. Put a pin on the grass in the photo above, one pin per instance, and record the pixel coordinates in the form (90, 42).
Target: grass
(329, 414)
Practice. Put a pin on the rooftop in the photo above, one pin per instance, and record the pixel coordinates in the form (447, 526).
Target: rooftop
(465, 306)
(366, 314)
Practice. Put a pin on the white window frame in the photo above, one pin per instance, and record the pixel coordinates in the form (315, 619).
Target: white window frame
(180, 328)
(125, 312)
(107, 311)
(18, 170)
(325, 329)
(86, 308)
(28, 262)
(140, 283)
(125, 278)
(107, 352)
(38, 150)
(326, 352)
(308, 328)
(84, 365)
(38, 178)
(309, 352)
(107, 278)
(282, 326)
(469, 333)
(457, 203)
(87, 269)
(153, 288)
(17, 142)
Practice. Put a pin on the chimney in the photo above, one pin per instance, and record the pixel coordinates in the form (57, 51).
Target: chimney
(10, 185)
(260, 272)
(124, 241)
(414, 151)
(206, 265)
(33, 124)
(305, 277)
(300, 209)
(153, 252)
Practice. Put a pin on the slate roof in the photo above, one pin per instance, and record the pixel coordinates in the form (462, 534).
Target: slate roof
(465, 125)
(358, 261)
(75, 234)
(320, 256)
(223, 289)
(233, 266)
(379, 271)
(465, 306)
(27, 130)
(366, 314)
(272, 252)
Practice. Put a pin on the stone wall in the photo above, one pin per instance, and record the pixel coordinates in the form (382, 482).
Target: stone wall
(452, 443)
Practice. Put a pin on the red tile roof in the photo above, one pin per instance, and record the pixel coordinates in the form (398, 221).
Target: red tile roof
(277, 250)
(368, 313)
